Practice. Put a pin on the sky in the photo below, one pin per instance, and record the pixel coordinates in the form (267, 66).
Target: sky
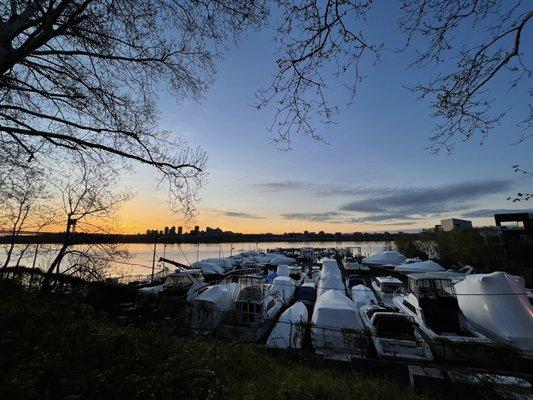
(374, 174)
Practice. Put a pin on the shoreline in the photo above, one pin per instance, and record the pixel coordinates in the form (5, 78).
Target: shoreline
(57, 238)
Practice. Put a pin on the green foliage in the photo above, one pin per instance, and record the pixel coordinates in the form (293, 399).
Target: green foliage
(409, 246)
(53, 349)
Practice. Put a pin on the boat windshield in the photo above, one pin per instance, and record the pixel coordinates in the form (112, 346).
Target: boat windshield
(390, 287)
(395, 329)
(179, 282)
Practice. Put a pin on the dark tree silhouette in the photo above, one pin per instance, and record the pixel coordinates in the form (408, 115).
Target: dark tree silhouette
(83, 76)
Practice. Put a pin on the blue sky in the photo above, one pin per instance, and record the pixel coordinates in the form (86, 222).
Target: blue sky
(374, 175)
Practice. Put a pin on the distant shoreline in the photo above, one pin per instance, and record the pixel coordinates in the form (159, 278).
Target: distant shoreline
(84, 238)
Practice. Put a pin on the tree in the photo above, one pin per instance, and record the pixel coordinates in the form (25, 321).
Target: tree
(82, 77)
(23, 195)
(88, 205)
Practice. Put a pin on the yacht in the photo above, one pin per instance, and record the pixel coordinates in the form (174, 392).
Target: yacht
(351, 264)
(432, 302)
(254, 311)
(386, 287)
(185, 284)
(395, 335)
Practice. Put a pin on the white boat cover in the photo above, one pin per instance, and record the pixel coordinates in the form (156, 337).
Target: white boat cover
(208, 268)
(289, 330)
(225, 263)
(388, 257)
(418, 266)
(363, 296)
(330, 266)
(497, 305)
(286, 286)
(281, 259)
(330, 281)
(337, 326)
(209, 307)
(151, 289)
(283, 270)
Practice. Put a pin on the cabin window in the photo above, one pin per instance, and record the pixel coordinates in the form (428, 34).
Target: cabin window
(410, 307)
(179, 282)
(389, 287)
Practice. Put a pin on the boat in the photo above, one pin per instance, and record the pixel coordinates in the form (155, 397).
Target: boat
(185, 284)
(385, 288)
(296, 274)
(330, 266)
(432, 302)
(394, 335)
(384, 258)
(306, 294)
(337, 330)
(363, 296)
(352, 264)
(351, 281)
(418, 266)
(210, 308)
(329, 281)
(286, 286)
(254, 310)
(497, 305)
(289, 331)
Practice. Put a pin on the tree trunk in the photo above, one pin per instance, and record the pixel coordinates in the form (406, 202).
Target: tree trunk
(59, 257)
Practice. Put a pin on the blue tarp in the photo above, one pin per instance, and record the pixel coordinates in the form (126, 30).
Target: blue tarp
(270, 277)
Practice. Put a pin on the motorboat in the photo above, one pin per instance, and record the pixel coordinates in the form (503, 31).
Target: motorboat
(210, 308)
(432, 302)
(286, 286)
(497, 305)
(185, 284)
(418, 266)
(386, 287)
(296, 274)
(337, 330)
(306, 294)
(254, 310)
(289, 331)
(329, 281)
(395, 335)
(384, 258)
(351, 264)
(363, 296)
(330, 266)
(351, 281)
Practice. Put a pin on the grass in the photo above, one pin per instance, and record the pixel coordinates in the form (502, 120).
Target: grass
(55, 349)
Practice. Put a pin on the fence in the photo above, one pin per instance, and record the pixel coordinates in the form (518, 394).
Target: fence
(304, 338)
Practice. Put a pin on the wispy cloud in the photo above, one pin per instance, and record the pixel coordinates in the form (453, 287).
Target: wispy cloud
(328, 216)
(489, 213)
(238, 214)
(430, 201)
(315, 188)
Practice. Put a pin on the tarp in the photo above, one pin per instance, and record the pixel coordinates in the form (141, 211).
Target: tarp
(330, 281)
(336, 325)
(210, 307)
(283, 270)
(225, 263)
(497, 305)
(270, 277)
(419, 266)
(208, 268)
(330, 266)
(363, 296)
(289, 330)
(388, 257)
(281, 259)
(286, 286)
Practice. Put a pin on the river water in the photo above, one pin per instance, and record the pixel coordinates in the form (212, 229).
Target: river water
(141, 255)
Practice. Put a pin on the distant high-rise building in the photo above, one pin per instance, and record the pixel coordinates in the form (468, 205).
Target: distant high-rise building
(166, 231)
(196, 229)
(180, 230)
